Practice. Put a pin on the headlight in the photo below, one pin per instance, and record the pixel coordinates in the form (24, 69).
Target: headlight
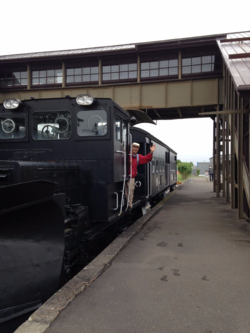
(11, 103)
(84, 99)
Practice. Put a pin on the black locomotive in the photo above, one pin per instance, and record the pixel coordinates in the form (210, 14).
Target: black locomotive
(63, 167)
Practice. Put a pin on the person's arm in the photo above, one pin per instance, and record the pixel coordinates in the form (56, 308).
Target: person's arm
(147, 158)
(152, 149)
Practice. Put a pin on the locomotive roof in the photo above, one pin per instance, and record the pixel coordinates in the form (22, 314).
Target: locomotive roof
(153, 138)
(71, 97)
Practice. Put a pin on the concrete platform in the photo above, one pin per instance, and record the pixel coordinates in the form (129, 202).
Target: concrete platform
(186, 271)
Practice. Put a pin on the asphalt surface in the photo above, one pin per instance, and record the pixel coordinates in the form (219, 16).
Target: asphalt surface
(186, 271)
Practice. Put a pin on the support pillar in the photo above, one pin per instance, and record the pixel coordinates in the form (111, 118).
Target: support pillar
(240, 166)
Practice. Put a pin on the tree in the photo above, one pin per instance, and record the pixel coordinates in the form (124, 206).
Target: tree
(178, 162)
(185, 169)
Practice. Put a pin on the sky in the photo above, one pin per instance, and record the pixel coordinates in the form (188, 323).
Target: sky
(35, 26)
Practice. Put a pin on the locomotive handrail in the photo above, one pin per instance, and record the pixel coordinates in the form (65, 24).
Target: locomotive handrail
(117, 204)
(148, 180)
(130, 163)
(150, 183)
(124, 177)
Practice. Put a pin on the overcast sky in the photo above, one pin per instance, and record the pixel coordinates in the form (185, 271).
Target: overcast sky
(32, 26)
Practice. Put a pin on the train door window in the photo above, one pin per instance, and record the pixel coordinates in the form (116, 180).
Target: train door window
(118, 128)
(153, 165)
(156, 165)
(51, 125)
(12, 125)
(124, 134)
(167, 157)
(92, 123)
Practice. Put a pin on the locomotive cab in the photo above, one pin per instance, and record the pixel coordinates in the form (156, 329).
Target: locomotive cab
(80, 144)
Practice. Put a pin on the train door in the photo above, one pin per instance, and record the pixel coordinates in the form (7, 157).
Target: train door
(118, 150)
(148, 172)
(167, 168)
(143, 183)
(120, 161)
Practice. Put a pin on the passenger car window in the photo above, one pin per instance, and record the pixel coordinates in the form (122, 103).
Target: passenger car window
(12, 125)
(51, 125)
(92, 123)
(153, 165)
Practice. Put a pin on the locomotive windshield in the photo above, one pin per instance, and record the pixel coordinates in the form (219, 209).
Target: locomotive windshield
(12, 125)
(51, 125)
(92, 123)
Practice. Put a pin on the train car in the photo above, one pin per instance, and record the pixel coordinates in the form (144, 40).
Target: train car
(64, 163)
(156, 177)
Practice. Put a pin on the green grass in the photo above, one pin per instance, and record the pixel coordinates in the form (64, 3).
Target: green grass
(181, 178)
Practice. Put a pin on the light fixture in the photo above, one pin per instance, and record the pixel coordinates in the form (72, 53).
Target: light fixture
(84, 99)
(12, 103)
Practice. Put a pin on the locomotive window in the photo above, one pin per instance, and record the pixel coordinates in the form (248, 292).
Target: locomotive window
(118, 129)
(51, 125)
(153, 165)
(92, 123)
(124, 134)
(12, 126)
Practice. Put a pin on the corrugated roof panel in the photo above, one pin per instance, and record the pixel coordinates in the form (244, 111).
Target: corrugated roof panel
(239, 68)
(67, 52)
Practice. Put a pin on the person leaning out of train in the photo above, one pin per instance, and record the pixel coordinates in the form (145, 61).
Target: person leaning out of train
(137, 159)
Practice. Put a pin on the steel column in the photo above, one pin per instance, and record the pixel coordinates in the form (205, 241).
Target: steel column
(214, 143)
(240, 165)
(28, 77)
(227, 159)
(63, 74)
(223, 156)
(138, 69)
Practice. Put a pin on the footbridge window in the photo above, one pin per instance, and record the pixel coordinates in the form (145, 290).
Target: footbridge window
(46, 77)
(202, 64)
(119, 72)
(160, 68)
(13, 79)
(81, 75)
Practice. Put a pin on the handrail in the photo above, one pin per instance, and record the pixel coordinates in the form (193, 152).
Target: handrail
(124, 177)
(130, 163)
(148, 180)
(117, 204)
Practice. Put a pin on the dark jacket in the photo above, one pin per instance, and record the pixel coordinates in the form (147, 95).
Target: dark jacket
(210, 171)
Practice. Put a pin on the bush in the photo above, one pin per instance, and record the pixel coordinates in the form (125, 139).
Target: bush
(185, 169)
(198, 172)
